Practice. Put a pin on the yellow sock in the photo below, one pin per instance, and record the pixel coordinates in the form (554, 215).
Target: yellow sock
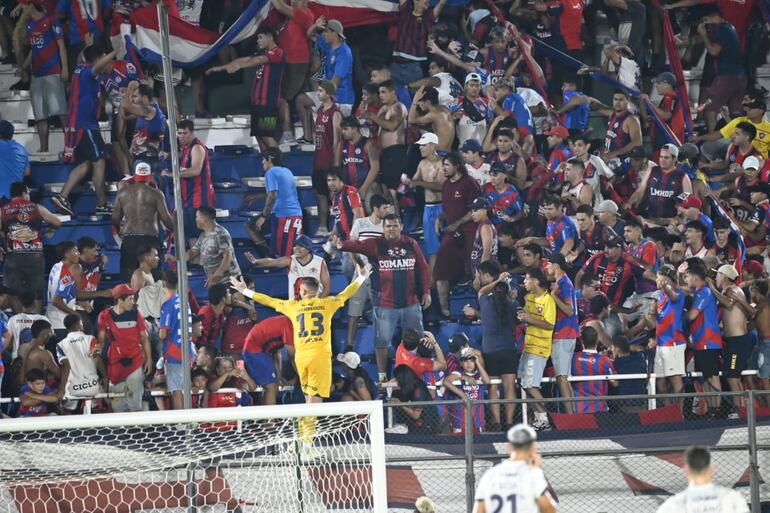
(307, 429)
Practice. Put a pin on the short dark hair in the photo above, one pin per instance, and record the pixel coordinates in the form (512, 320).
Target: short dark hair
(199, 372)
(699, 226)
(186, 124)
(377, 201)
(598, 303)
(217, 293)
(490, 267)
(93, 52)
(440, 62)
(695, 266)
(392, 217)
(411, 339)
(698, 459)
(145, 90)
(335, 172)
(747, 127)
(659, 234)
(507, 229)
(371, 88)
(39, 326)
(589, 337)
(538, 274)
(350, 122)
(311, 282)
(85, 243)
(431, 95)
(143, 251)
(210, 350)
(35, 375)
(70, 321)
(577, 163)
(585, 209)
(622, 343)
(208, 212)
(505, 132)
(268, 31)
(580, 137)
(552, 200)
(635, 222)
(274, 155)
(63, 248)
(27, 298)
(587, 278)
(388, 84)
(721, 223)
(18, 189)
(620, 91)
(170, 279)
(533, 248)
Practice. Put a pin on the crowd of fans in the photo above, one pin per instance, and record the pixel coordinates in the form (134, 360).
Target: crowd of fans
(464, 158)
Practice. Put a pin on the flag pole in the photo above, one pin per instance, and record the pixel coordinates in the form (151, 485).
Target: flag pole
(179, 237)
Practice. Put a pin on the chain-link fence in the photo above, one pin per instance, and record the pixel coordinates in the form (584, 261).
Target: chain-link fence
(623, 457)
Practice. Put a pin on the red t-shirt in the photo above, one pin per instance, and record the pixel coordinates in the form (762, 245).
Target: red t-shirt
(269, 335)
(737, 13)
(417, 363)
(123, 334)
(457, 198)
(293, 38)
(571, 21)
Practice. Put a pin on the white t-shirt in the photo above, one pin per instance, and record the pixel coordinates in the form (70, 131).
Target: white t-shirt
(480, 174)
(190, 11)
(708, 498)
(628, 72)
(533, 99)
(76, 348)
(512, 487)
(364, 228)
(598, 170)
(20, 322)
(310, 270)
(448, 90)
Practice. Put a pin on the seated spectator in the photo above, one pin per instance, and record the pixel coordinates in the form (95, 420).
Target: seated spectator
(199, 383)
(34, 354)
(412, 388)
(473, 380)
(228, 375)
(627, 361)
(356, 384)
(83, 373)
(205, 357)
(37, 398)
(406, 354)
(589, 362)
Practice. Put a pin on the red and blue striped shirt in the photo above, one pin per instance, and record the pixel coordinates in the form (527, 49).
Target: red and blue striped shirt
(560, 231)
(83, 111)
(508, 202)
(668, 330)
(704, 329)
(567, 326)
(44, 36)
(343, 204)
(267, 80)
(197, 191)
(591, 363)
(84, 16)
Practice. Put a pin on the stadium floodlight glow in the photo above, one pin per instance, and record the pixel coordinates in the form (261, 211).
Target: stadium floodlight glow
(249, 459)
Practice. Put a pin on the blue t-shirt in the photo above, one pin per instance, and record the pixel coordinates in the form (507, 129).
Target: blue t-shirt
(281, 180)
(577, 117)
(12, 165)
(83, 110)
(339, 63)
(517, 107)
(730, 60)
(170, 320)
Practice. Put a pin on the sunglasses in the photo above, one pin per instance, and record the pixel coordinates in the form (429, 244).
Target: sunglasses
(468, 358)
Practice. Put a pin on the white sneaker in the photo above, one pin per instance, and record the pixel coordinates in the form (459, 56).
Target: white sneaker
(322, 232)
(288, 139)
(541, 424)
(398, 429)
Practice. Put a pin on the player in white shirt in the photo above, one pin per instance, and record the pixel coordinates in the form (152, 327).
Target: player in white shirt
(80, 360)
(703, 496)
(517, 485)
(365, 228)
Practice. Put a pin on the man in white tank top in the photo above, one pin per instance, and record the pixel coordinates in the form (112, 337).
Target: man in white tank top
(79, 357)
(703, 496)
(302, 264)
(517, 485)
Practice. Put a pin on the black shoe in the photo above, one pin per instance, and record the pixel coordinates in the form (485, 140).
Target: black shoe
(20, 86)
(63, 205)
(103, 210)
(9, 59)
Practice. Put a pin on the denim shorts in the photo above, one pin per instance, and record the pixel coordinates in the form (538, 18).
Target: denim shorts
(386, 320)
(173, 376)
(531, 368)
(561, 355)
(430, 215)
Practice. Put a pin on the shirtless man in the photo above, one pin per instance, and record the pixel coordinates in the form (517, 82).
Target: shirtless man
(736, 312)
(391, 120)
(35, 355)
(148, 261)
(435, 116)
(759, 290)
(430, 176)
(141, 205)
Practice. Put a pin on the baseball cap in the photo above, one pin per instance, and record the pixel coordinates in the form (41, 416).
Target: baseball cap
(754, 268)
(471, 145)
(559, 131)
(638, 153)
(328, 86)
(498, 167)
(427, 138)
(6, 129)
(666, 77)
(613, 242)
(691, 201)
(142, 172)
(122, 290)
(458, 341)
(521, 434)
(304, 242)
(668, 271)
(472, 76)
(335, 26)
(729, 271)
(607, 206)
(755, 104)
(558, 259)
(351, 359)
(673, 149)
(751, 162)
(479, 204)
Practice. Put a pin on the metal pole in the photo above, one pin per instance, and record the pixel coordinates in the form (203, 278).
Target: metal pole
(754, 478)
(179, 238)
(470, 480)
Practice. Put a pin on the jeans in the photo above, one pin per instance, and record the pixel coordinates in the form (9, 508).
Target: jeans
(404, 73)
(386, 320)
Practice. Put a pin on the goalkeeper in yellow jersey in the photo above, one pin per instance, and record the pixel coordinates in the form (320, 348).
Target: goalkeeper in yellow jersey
(311, 317)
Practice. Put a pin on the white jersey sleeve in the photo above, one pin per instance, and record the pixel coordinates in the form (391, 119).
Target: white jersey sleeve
(705, 499)
(512, 487)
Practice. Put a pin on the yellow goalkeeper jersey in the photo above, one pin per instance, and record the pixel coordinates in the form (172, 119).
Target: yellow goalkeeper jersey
(311, 318)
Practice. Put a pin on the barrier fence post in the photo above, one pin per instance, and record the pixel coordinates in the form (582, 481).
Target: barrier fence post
(524, 412)
(753, 463)
(470, 478)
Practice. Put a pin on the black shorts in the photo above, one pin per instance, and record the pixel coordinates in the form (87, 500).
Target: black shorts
(392, 165)
(319, 182)
(498, 363)
(707, 361)
(264, 121)
(90, 148)
(737, 353)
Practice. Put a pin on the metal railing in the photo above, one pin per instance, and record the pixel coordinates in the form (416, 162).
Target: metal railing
(621, 464)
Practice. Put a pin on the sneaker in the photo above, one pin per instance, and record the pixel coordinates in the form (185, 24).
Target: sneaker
(541, 424)
(322, 232)
(398, 429)
(20, 86)
(288, 139)
(103, 210)
(733, 415)
(63, 205)
(305, 142)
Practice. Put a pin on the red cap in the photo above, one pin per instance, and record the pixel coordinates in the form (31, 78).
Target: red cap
(754, 268)
(559, 131)
(692, 201)
(143, 172)
(122, 290)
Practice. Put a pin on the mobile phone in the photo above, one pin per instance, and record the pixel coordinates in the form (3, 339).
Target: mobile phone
(240, 365)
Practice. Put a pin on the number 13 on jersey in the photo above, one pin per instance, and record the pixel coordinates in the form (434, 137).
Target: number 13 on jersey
(310, 325)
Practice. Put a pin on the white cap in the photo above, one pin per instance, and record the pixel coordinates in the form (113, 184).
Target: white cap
(521, 434)
(751, 162)
(351, 359)
(607, 206)
(428, 137)
(472, 76)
